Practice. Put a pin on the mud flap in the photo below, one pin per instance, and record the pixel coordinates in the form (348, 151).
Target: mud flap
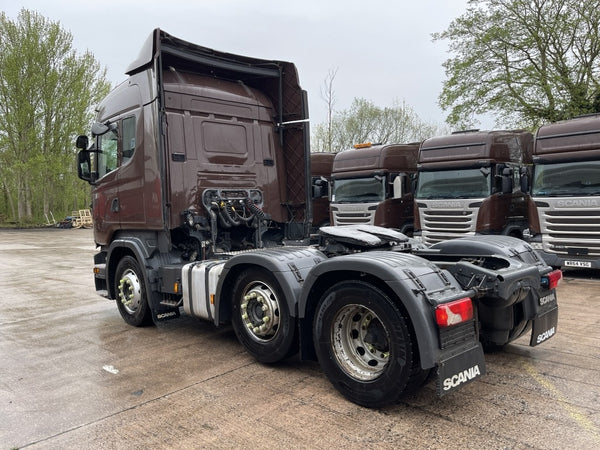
(460, 369)
(544, 327)
(161, 311)
(160, 315)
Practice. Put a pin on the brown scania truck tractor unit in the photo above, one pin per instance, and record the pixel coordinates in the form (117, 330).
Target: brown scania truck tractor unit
(199, 165)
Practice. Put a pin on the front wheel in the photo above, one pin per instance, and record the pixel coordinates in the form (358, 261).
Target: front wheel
(261, 318)
(131, 293)
(364, 344)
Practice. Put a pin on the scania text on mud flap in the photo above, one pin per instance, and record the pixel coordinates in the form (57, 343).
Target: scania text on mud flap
(200, 173)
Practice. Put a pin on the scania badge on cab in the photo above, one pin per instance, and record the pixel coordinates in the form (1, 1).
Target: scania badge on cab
(200, 171)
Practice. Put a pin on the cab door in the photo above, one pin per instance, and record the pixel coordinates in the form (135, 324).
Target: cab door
(105, 203)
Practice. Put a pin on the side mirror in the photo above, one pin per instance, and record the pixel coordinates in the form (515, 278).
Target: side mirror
(524, 180)
(317, 191)
(320, 187)
(82, 142)
(84, 166)
(398, 185)
(507, 181)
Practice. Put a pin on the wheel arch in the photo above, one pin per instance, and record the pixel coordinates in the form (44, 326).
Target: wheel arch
(289, 267)
(226, 285)
(117, 250)
(398, 288)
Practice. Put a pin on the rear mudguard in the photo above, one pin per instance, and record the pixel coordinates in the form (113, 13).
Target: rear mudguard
(414, 282)
(506, 274)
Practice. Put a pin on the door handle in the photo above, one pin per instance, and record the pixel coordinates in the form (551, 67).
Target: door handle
(114, 206)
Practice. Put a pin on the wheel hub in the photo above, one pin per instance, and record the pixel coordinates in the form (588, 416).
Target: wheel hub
(360, 342)
(260, 312)
(130, 291)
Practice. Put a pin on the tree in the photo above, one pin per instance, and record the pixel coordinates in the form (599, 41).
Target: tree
(328, 94)
(366, 122)
(47, 92)
(524, 61)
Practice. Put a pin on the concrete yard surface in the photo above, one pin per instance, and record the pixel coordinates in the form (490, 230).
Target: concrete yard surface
(73, 375)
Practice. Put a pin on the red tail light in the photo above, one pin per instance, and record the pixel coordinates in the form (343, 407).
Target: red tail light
(551, 280)
(455, 312)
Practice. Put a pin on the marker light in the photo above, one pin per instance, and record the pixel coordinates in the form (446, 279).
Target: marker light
(364, 145)
(455, 312)
(551, 280)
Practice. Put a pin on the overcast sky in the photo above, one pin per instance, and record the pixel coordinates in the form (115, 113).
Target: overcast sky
(382, 49)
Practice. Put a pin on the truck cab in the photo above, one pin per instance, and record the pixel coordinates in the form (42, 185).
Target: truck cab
(472, 182)
(565, 193)
(182, 153)
(372, 185)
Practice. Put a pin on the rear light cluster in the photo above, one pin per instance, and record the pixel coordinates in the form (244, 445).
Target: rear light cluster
(453, 313)
(551, 280)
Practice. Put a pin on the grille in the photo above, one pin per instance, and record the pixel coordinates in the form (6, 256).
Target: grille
(463, 332)
(571, 232)
(440, 224)
(353, 214)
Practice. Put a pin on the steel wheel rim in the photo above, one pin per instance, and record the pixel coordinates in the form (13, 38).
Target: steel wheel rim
(130, 291)
(360, 342)
(259, 310)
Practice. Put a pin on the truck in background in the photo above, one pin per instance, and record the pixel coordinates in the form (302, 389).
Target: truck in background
(199, 166)
(472, 182)
(372, 185)
(321, 165)
(565, 190)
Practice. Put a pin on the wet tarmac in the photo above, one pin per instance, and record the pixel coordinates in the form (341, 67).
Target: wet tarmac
(73, 375)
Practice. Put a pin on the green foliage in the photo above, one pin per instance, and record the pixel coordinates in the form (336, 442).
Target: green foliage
(366, 122)
(47, 94)
(525, 61)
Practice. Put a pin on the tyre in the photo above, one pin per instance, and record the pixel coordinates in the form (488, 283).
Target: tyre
(364, 344)
(132, 300)
(261, 318)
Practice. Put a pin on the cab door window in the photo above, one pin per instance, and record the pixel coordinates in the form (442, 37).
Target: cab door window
(108, 152)
(116, 146)
(128, 127)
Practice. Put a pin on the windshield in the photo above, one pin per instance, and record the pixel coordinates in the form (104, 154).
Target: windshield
(456, 183)
(567, 179)
(358, 190)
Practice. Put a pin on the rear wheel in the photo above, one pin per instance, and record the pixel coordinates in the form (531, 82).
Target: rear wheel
(131, 293)
(364, 344)
(261, 318)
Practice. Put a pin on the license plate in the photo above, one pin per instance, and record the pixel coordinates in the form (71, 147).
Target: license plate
(587, 264)
(544, 327)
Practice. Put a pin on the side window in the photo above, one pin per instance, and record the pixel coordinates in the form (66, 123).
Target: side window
(116, 146)
(128, 138)
(107, 152)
